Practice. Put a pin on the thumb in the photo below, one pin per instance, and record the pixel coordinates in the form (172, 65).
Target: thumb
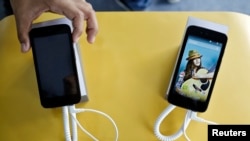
(23, 28)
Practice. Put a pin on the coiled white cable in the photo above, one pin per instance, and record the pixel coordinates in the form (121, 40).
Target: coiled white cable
(73, 111)
(190, 115)
(158, 122)
(67, 132)
(185, 124)
(74, 128)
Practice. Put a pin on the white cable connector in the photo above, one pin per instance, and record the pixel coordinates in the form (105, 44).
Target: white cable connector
(74, 122)
(190, 115)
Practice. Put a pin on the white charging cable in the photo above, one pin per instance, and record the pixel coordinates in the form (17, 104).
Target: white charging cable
(72, 111)
(190, 115)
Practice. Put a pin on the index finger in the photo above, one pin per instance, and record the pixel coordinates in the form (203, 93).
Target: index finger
(91, 27)
(86, 13)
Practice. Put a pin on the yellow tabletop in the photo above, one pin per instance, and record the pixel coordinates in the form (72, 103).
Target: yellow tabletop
(127, 72)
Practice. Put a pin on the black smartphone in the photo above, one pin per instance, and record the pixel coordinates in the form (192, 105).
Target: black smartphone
(55, 65)
(196, 68)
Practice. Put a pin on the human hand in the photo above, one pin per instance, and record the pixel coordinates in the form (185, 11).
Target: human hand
(78, 11)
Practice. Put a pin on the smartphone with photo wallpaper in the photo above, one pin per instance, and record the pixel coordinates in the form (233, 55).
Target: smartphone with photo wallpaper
(55, 65)
(196, 68)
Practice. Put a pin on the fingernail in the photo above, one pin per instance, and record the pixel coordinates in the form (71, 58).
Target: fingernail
(92, 40)
(77, 39)
(24, 47)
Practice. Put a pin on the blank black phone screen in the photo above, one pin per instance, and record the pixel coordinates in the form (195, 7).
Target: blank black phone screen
(55, 67)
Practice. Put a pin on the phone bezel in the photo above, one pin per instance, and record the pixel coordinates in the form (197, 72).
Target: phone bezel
(56, 101)
(186, 102)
